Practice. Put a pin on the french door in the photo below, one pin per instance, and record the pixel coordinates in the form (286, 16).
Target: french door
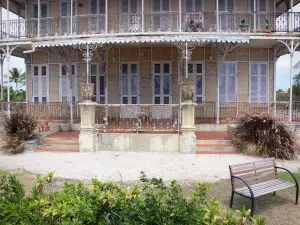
(130, 83)
(40, 83)
(227, 16)
(129, 17)
(228, 82)
(43, 23)
(97, 18)
(262, 21)
(65, 16)
(162, 83)
(162, 18)
(196, 70)
(259, 82)
(66, 87)
(98, 78)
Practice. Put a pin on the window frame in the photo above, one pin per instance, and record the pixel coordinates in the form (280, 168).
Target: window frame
(162, 74)
(129, 79)
(39, 77)
(195, 75)
(227, 83)
(267, 82)
(74, 77)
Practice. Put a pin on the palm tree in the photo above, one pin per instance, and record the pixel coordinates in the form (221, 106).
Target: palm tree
(17, 77)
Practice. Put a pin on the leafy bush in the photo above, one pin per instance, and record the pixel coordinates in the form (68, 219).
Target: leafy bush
(16, 128)
(261, 135)
(151, 202)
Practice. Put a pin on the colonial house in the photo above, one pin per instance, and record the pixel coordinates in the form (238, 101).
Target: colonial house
(143, 52)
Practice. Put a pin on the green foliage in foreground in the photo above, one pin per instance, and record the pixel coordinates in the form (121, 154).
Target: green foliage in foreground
(152, 202)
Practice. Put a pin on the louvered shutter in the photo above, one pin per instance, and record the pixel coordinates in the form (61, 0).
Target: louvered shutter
(35, 89)
(222, 87)
(263, 83)
(231, 82)
(44, 86)
(74, 84)
(64, 89)
(254, 82)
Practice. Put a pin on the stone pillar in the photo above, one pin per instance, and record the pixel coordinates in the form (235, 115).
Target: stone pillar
(188, 136)
(87, 128)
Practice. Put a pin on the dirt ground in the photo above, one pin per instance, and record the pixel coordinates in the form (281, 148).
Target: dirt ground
(278, 210)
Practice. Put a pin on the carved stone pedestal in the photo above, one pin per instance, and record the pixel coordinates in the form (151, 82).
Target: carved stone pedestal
(87, 128)
(188, 136)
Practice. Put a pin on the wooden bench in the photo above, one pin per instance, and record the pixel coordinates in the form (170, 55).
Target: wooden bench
(258, 178)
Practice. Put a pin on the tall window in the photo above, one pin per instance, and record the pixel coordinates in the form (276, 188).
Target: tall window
(196, 70)
(44, 13)
(193, 5)
(97, 20)
(40, 86)
(98, 78)
(258, 82)
(130, 83)
(228, 82)
(162, 83)
(65, 88)
(162, 19)
(227, 16)
(65, 13)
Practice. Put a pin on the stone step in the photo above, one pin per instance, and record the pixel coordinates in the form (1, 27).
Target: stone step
(65, 140)
(42, 149)
(59, 146)
(217, 148)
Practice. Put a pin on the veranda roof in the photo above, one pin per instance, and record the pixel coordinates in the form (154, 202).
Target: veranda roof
(140, 39)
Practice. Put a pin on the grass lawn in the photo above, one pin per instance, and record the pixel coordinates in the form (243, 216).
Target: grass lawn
(278, 210)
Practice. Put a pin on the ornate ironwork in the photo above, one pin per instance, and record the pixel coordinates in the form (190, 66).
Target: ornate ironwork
(135, 25)
(87, 50)
(137, 118)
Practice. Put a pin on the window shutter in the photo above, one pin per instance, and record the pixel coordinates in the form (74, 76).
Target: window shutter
(222, 87)
(231, 97)
(230, 5)
(35, 87)
(44, 10)
(263, 88)
(198, 5)
(64, 9)
(221, 5)
(165, 5)
(75, 87)
(44, 89)
(35, 11)
(64, 89)
(189, 5)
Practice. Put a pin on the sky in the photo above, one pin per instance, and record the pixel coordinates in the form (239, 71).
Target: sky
(282, 65)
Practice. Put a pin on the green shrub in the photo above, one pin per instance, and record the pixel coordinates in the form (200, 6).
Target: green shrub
(152, 202)
(16, 129)
(261, 135)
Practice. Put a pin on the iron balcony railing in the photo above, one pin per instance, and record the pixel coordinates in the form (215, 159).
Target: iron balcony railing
(152, 22)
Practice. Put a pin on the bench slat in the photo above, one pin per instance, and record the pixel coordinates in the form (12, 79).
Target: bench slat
(265, 188)
(249, 163)
(252, 170)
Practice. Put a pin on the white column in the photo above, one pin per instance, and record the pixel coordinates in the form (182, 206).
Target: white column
(1, 62)
(218, 90)
(39, 18)
(275, 75)
(71, 19)
(7, 17)
(180, 16)
(255, 13)
(19, 23)
(106, 16)
(291, 82)
(292, 15)
(143, 16)
(217, 15)
(87, 64)
(8, 75)
(26, 72)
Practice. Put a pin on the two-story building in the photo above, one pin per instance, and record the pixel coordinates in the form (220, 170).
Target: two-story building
(140, 48)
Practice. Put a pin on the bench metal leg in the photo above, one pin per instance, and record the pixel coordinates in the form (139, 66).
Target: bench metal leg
(274, 193)
(231, 200)
(252, 207)
(297, 194)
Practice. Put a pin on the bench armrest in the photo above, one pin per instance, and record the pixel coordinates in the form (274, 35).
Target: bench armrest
(247, 185)
(296, 181)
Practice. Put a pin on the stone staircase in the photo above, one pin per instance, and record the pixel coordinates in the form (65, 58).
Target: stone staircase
(214, 143)
(60, 142)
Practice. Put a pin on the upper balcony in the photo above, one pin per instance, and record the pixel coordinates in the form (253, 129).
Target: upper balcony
(136, 17)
